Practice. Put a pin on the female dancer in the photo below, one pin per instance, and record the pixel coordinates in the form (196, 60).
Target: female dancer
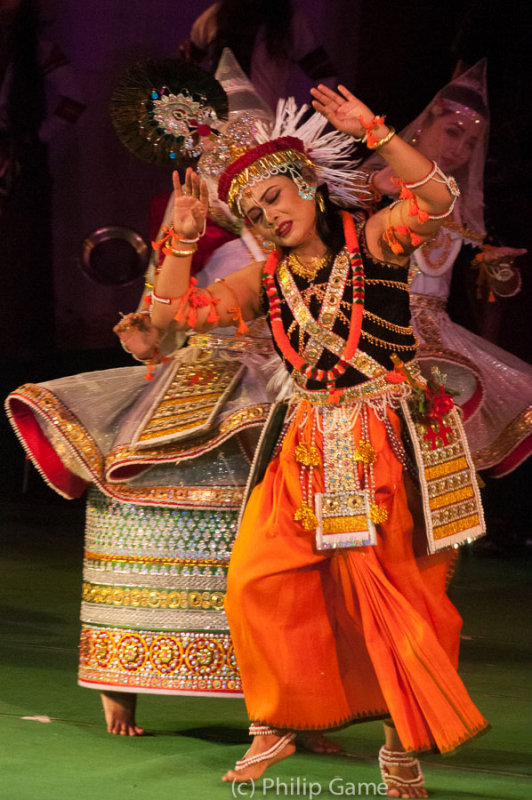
(336, 610)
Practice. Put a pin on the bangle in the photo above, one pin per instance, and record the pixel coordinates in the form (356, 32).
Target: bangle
(159, 299)
(181, 253)
(179, 238)
(381, 142)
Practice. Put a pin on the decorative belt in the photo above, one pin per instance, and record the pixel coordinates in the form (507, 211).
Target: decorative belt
(362, 391)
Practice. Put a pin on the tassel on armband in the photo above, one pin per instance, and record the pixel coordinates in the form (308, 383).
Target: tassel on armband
(192, 300)
(235, 310)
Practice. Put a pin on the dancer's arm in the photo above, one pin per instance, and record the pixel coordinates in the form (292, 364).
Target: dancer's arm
(176, 301)
(394, 232)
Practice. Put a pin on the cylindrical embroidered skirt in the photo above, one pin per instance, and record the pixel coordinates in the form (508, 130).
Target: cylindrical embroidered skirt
(324, 638)
(152, 599)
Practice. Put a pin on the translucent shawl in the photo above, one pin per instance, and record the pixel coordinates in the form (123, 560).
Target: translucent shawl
(465, 95)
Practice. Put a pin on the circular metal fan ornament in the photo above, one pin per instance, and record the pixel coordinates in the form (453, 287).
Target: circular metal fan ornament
(168, 111)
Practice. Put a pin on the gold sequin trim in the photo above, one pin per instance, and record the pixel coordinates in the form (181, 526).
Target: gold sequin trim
(151, 598)
(207, 383)
(431, 302)
(169, 430)
(447, 468)
(253, 414)
(451, 497)
(363, 391)
(513, 434)
(467, 523)
(194, 562)
(66, 423)
(184, 661)
(197, 497)
(344, 524)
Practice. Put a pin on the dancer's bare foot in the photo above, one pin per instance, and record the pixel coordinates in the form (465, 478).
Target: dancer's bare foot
(119, 710)
(317, 743)
(273, 748)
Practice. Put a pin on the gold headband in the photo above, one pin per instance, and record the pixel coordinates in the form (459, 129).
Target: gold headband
(264, 167)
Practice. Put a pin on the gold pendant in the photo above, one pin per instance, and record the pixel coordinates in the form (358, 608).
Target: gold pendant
(307, 517)
(377, 513)
(364, 452)
(308, 456)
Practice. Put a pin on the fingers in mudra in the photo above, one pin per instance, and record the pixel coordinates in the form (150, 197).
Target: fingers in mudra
(191, 202)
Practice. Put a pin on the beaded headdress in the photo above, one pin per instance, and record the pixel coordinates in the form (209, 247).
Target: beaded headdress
(252, 147)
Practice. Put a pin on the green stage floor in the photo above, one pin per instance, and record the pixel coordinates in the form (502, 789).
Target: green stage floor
(53, 743)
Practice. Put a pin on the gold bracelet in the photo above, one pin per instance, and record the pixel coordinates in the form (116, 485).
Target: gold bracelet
(182, 253)
(383, 141)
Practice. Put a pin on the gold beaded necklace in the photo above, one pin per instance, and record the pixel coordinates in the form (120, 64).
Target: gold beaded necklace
(310, 270)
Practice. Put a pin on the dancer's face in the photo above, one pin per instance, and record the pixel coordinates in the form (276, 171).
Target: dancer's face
(275, 210)
(450, 140)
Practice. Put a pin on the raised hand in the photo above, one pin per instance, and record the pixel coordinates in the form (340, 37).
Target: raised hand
(342, 109)
(191, 204)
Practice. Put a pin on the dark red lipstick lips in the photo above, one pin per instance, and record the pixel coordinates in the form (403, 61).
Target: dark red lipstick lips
(283, 229)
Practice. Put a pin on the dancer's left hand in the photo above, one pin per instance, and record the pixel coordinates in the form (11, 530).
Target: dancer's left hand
(342, 109)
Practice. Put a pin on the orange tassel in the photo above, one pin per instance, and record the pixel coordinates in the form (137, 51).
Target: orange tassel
(369, 127)
(335, 395)
(395, 376)
(149, 370)
(185, 299)
(166, 240)
(413, 207)
(392, 241)
(242, 327)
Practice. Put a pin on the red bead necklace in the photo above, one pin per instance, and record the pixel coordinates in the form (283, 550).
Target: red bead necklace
(281, 339)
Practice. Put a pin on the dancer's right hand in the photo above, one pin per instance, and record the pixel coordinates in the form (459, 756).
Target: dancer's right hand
(191, 205)
(138, 335)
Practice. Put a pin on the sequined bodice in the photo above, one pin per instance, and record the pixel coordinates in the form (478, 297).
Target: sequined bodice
(385, 325)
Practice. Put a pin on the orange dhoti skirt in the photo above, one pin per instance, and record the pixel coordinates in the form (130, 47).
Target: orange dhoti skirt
(325, 638)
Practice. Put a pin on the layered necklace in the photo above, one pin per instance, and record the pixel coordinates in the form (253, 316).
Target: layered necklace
(307, 270)
(279, 334)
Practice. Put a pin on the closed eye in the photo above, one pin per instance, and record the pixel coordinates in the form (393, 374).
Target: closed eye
(269, 198)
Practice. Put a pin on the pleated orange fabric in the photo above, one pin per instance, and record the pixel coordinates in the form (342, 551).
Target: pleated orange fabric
(325, 638)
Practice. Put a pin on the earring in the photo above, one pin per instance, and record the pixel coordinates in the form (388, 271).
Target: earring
(267, 245)
(305, 190)
(320, 202)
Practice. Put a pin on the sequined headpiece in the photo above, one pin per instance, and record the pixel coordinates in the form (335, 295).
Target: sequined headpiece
(250, 150)
(285, 155)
